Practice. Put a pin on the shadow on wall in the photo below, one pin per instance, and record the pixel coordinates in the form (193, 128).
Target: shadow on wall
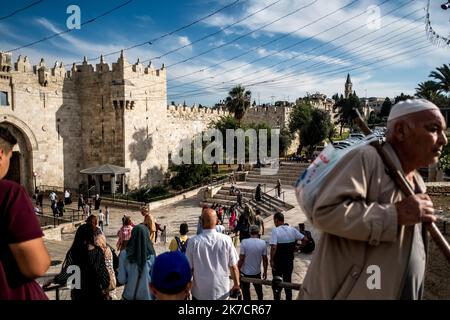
(154, 176)
(139, 150)
(68, 130)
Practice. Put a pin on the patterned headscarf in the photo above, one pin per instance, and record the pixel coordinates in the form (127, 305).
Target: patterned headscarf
(140, 247)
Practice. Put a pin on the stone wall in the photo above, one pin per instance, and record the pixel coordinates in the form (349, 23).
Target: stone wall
(66, 121)
(43, 112)
(183, 123)
(275, 117)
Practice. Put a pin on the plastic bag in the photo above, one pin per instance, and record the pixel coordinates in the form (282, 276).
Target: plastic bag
(309, 182)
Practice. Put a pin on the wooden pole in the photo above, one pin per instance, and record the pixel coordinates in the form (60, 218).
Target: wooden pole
(287, 285)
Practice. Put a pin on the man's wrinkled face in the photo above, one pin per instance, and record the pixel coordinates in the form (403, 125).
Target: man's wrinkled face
(426, 138)
(5, 158)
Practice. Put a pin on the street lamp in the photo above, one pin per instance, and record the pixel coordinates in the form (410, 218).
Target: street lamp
(34, 177)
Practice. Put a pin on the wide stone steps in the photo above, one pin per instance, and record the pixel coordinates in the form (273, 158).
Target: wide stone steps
(271, 181)
(280, 175)
(268, 206)
(288, 174)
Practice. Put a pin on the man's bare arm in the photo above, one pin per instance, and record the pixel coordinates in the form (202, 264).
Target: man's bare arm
(235, 276)
(273, 250)
(265, 263)
(32, 257)
(241, 261)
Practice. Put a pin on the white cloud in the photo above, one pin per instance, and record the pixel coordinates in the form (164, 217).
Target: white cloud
(182, 41)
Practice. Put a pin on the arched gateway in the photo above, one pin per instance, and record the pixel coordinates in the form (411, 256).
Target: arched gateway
(21, 165)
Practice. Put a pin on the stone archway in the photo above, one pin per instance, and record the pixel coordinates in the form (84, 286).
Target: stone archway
(21, 164)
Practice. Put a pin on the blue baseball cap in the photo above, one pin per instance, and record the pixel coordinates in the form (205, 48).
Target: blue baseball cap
(171, 272)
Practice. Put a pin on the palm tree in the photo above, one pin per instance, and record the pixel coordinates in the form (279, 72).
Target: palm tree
(443, 76)
(238, 101)
(428, 90)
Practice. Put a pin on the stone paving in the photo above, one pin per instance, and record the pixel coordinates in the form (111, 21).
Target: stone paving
(188, 211)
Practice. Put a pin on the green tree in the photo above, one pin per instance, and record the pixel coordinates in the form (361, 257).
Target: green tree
(402, 97)
(386, 108)
(374, 119)
(428, 90)
(300, 116)
(442, 75)
(345, 109)
(285, 140)
(317, 129)
(238, 101)
(444, 159)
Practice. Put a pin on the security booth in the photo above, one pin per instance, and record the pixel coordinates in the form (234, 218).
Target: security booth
(107, 178)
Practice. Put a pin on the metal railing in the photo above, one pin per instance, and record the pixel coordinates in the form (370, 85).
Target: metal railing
(267, 193)
(47, 217)
(272, 283)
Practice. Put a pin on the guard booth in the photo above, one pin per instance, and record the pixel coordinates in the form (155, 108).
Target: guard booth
(107, 178)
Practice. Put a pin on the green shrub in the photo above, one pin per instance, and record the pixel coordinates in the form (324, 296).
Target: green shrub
(145, 194)
(190, 175)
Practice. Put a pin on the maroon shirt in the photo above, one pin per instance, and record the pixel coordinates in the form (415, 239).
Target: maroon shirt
(18, 223)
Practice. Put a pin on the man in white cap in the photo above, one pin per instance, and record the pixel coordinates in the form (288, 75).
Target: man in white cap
(373, 244)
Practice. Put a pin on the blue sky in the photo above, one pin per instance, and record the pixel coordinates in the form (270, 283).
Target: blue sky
(278, 49)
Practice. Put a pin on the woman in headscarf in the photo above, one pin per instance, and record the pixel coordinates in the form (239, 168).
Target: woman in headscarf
(124, 234)
(94, 276)
(100, 240)
(135, 265)
(246, 219)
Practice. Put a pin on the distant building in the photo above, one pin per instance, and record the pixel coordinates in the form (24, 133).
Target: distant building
(373, 103)
(348, 87)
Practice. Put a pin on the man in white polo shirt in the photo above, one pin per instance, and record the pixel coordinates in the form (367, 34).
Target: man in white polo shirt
(253, 251)
(282, 247)
(212, 257)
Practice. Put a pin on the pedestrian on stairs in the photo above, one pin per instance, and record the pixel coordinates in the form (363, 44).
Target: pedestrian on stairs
(179, 243)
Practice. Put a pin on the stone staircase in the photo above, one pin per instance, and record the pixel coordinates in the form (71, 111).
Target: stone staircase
(268, 206)
(288, 173)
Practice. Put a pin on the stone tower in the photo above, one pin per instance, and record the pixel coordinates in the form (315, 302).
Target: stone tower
(348, 86)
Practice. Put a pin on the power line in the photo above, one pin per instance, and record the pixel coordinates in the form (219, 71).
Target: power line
(203, 89)
(265, 44)
(217, 32)
(293, 45)
(345, 34)
(278, 51)
(151, 41)
(70, 30)
(242, 36)
(21, 9)
(224, 89)
(217, 47)
(273, 80)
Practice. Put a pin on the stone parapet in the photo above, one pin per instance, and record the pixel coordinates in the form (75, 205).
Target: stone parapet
(438, 188)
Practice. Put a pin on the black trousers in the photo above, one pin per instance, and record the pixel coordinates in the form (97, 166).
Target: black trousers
(245, 286)
(284, 270)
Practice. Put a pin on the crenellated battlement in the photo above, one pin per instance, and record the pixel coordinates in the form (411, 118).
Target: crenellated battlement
(119, 70)
(179, 110)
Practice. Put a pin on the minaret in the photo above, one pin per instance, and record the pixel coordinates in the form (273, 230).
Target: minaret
(348, 86)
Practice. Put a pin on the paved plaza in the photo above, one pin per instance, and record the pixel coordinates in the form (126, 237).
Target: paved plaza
(187, 210)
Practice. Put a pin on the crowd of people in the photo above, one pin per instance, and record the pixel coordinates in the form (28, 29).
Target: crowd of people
(364, 218)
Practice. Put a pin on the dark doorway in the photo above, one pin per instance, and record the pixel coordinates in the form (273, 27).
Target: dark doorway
(14, 168)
